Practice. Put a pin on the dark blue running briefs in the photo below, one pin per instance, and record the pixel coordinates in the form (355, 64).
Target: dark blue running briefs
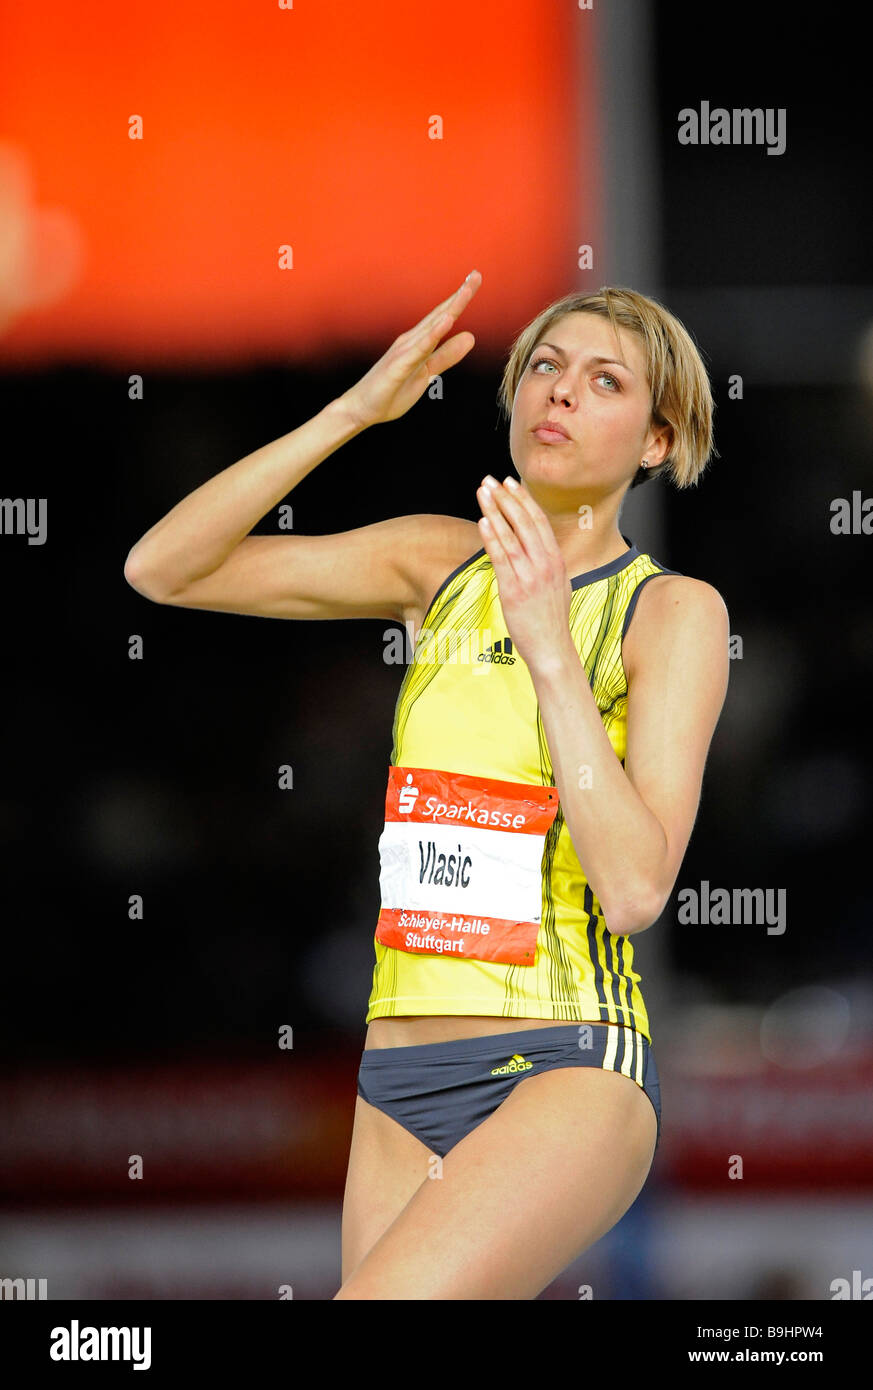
(441, 1091)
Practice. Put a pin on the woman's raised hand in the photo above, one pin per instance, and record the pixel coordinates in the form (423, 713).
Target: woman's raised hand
(406, 370)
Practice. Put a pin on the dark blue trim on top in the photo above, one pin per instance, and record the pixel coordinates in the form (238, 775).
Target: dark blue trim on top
(577, 582)
(638, 590)
(453, 575)
(608, 570)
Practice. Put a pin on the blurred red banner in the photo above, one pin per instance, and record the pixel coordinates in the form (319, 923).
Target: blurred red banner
(306, 178)
(257, 1131)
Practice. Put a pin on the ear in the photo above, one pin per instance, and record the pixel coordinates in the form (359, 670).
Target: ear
(660, 443)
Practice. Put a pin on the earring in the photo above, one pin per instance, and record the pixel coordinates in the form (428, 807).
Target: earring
(644, 463)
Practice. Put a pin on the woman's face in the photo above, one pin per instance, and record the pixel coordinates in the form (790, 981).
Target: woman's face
(596, 388)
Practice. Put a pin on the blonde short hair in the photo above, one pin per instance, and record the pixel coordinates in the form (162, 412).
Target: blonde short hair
(678, 379)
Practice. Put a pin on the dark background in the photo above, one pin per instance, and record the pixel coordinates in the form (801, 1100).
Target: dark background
(160, 776)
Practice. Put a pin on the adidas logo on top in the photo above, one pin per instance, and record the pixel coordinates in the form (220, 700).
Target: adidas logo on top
(500, 653)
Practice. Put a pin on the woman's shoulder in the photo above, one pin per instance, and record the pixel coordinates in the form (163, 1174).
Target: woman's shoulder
(667, 589)
(668, 603)
(443, 546)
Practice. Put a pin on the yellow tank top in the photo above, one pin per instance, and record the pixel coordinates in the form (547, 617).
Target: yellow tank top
(467, 705)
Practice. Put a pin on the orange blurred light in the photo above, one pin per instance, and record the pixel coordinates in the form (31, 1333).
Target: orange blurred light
(308, 128)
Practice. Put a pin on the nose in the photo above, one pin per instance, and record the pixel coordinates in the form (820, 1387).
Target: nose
(561, 391)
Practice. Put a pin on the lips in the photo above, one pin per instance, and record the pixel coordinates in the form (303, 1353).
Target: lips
(550, 430)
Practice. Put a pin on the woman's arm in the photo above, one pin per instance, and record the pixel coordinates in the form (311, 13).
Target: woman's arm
(389, 569)
(202, 550)
(199, 534)
(631, 826)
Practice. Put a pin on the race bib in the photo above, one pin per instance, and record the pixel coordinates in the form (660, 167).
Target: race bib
(461, 865)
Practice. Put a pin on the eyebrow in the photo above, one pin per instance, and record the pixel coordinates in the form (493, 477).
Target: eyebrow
(592, 361)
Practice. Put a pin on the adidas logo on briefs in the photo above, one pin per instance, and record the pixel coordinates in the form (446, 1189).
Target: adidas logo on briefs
(516, 1063)
(500, 653)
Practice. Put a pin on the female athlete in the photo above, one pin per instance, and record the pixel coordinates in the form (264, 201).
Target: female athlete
(544, 780)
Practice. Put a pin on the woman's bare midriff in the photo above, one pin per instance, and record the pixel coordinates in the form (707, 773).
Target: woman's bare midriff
(407, 1031)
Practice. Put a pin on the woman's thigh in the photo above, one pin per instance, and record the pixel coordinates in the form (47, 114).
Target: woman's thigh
(544, 1177)
(386, 1166)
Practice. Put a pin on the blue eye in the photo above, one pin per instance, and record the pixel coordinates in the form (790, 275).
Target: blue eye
(538, 361)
